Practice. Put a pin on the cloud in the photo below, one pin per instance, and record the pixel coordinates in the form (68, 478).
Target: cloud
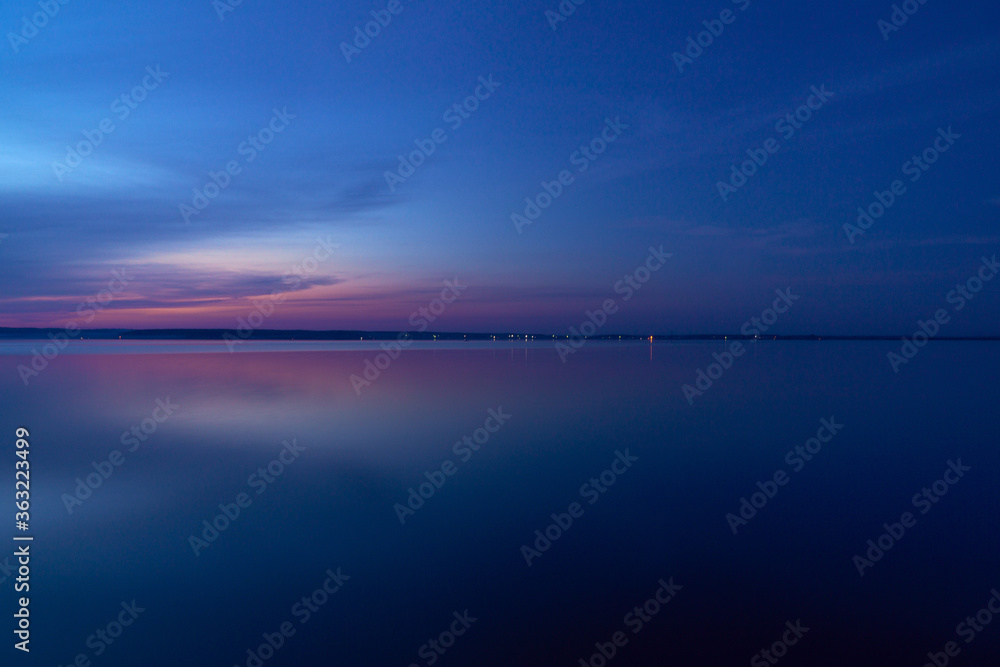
(795, 233)
(151, 286)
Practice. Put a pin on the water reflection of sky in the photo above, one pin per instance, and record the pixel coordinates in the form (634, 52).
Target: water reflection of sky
(665, 517)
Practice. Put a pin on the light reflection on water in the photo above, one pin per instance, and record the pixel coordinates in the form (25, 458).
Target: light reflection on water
(333, 507)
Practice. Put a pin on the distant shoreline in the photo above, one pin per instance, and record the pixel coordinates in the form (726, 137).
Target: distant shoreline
(10, 333)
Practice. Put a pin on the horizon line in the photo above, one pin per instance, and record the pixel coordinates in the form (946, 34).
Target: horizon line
(350, 334)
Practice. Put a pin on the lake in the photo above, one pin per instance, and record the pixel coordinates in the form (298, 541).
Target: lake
(487, 504)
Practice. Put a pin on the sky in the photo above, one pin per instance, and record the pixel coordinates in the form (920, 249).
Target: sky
(310, 118)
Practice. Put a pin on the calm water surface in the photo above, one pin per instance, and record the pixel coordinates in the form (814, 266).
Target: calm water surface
(337, 500)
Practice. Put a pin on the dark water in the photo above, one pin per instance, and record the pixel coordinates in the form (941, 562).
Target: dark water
(663, 518)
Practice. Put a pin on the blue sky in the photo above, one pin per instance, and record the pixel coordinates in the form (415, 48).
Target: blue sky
(323, 175)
